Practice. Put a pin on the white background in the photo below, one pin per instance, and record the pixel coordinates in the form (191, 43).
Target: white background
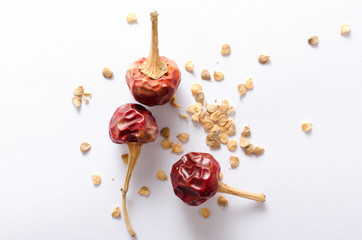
(311, 181)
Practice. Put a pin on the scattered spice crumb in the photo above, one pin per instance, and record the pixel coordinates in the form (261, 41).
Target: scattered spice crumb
(345, 29)
(161, 175)
(306, 126)
(205, 212)
(244, 142)
(263, 58)
(96, 179)
(173, 102)
(144, 191)
(246, 131)
(249, 84)
(177, 148)
(225, 49)
(258, 150)
(183, 137)
(116, 213)
(314, 40)
(107, 73)
(125, 158)
(183, 116)
(205, 75)
(222, 201)
(77, 101)
(167, 144)
(131, 17)
(195, 88)
(189, 66)
(232, 145)
(84, 147)
(241, 89)
(165, 132)
(218, 75)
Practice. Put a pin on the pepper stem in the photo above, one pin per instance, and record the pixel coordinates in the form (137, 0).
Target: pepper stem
(134, 150)
(223, 188)
(154, 67)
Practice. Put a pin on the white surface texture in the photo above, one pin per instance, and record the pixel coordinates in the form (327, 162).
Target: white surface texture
(312, 181)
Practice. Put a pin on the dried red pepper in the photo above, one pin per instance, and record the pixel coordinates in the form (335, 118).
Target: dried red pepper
(153, 80)
(134, 125)
(195, 179)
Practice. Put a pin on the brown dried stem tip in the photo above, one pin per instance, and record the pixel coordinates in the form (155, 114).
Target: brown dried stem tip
(223, 188)
(154, 67)
(134, 150)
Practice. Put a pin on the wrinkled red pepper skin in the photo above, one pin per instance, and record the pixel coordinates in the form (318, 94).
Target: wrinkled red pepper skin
(132, 123)
(195, 178)
(149, 91)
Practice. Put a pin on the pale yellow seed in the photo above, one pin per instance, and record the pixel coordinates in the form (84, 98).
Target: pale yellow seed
(191, 109)
(220, 175)
(249, 149)
(222, 201)
(189, 66)
(212, 136)
(167, 144)
(214, 144)
(116, 213)
(249, 84)
(177, 148)
(223, 107)
(199, 97)
(231, 130)
(165, 132)
(183, 116)
(131, 17)
(161, 175)
(258, 150)
(306, 126)
(223, 138)
(125, 158)
(195, 88)
(205, 212)
(173, 102)
(79, 91)
(234, 161)
(207, 124)
(198, 107)
(246, 131)
(144, 191)
(84, 147)
(218, 75)
(107, 73)
(195, 117)
(86, 100)
(77, 101)
(244, 142)
(222, 120)
(345, 29)
(96, 179)
(225, 49)
(241, 89)
(205, 75)
(183, 137)
(263, 58)
(314, 40)
(211, 108)
(200, 115)
(214, 128)
(232, 145)
(214, 116)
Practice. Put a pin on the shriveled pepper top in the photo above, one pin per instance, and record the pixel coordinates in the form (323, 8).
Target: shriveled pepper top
(195, 177)
(132, 123)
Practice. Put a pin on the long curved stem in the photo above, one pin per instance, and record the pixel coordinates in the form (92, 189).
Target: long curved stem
(154, 67)
(134, 150)
(223, 188)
